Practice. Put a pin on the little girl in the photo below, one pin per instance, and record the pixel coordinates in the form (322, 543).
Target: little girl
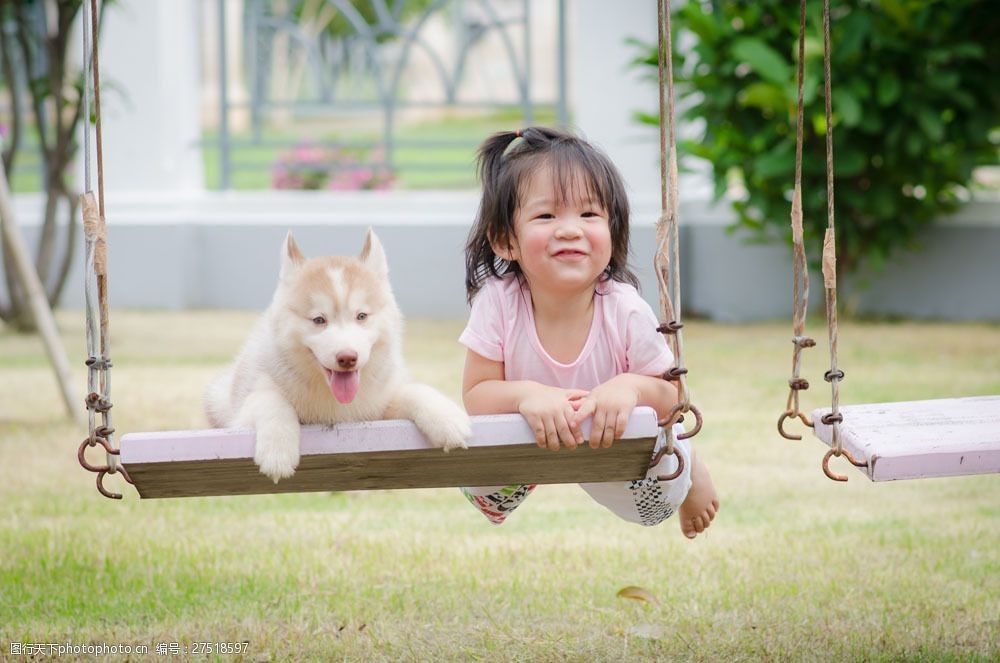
(558, 331)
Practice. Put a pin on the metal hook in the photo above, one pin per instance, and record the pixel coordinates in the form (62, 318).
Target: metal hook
(833, 452)
(669, 421)
(104, 491)
(678, 411)
(676, 473)
(697, 424)
(102, 470)
(799, 415)
(87, 443)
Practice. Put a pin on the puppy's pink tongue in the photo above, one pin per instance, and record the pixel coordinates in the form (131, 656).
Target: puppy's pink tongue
(344, 385)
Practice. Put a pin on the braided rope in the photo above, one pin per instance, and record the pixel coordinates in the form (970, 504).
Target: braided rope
(97, 112)
(834, 375)
(98, 399)
(829, 263)
(667, 260)
(85, 19)
(800, 269)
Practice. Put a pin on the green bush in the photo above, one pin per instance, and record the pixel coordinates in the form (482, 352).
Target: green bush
(916, 93)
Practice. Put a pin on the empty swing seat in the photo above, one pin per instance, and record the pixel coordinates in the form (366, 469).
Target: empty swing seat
(919, 439)
(379, 455)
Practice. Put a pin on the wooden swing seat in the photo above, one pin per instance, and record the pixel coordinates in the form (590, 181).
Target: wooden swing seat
(920, 439)
(378, 455)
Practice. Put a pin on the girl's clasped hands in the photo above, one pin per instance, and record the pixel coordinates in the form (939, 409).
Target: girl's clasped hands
(556, 415)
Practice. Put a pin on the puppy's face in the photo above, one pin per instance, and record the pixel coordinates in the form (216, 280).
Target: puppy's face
(335, 310)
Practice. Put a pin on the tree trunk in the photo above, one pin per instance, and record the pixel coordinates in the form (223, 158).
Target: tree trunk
(15, 293)
(72, 227)
(55, 101)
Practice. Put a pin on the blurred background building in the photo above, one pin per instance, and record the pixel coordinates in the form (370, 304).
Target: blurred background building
(229, 122)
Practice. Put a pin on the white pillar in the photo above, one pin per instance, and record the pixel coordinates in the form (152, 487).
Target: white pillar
(150, 102)
(606, 89)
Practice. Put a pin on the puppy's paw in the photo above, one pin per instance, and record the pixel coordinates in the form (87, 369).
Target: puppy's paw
(277, 451)
(446, 425)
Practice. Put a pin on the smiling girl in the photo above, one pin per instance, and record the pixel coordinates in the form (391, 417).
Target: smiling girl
(558, 331)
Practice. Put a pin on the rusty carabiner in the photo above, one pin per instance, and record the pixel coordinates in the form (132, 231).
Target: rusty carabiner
(833, 452)
(799, 415)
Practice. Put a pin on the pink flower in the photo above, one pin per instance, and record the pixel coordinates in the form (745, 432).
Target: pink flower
(307, 166)
(305, 153)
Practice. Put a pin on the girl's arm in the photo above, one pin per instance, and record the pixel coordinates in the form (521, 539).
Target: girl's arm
(654, 392)
(548, 410)
(484, 391)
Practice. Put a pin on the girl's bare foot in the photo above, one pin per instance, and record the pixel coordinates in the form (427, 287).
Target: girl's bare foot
(702, 502)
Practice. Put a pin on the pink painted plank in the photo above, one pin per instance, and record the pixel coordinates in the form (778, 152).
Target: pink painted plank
(920, 439)
(361, 437)
(380, 454)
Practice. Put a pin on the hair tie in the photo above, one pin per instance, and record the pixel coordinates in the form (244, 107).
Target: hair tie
(519, 133)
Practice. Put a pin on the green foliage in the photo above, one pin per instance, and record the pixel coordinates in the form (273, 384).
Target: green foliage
(915, 110)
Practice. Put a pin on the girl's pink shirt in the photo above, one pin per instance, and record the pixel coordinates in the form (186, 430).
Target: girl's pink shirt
(622, 339)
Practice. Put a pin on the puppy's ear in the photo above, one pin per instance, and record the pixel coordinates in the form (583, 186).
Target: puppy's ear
(373, 255)
(291, 257)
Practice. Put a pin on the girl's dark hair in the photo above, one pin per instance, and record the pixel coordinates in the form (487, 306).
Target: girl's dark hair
(504, 172)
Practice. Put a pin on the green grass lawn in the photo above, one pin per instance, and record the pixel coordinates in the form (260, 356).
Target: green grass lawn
(795, 566)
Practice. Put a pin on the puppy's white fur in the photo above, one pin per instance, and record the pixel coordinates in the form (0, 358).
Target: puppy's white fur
(278, 380)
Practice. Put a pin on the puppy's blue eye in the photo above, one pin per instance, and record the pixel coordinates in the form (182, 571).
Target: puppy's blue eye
(362, 316)
(319, 320)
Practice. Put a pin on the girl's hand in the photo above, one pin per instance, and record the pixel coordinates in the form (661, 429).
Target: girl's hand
(611, 404)
(550, 413)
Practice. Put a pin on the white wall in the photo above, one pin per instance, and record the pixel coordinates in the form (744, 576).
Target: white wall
(220, 250)
(606, 90)
(150, 100)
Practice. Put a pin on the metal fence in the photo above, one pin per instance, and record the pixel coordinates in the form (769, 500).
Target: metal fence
(375, 93)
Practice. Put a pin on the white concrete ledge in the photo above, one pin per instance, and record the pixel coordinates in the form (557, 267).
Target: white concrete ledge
(398, 208)
(219, 250)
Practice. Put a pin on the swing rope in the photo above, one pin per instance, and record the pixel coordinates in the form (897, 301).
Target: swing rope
(834, 418)
(98, 398)
(667, 261)
(800, 289)
(800, 272)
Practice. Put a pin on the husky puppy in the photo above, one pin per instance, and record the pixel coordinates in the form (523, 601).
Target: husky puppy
(327, 350)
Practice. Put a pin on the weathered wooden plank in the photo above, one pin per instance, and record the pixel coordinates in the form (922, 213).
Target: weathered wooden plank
(378, 455)
(919, 439)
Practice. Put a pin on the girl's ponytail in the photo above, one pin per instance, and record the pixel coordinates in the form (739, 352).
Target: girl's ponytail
(494, 214)
(489, 158)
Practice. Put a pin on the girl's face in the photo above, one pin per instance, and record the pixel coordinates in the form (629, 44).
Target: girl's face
(561, 246)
